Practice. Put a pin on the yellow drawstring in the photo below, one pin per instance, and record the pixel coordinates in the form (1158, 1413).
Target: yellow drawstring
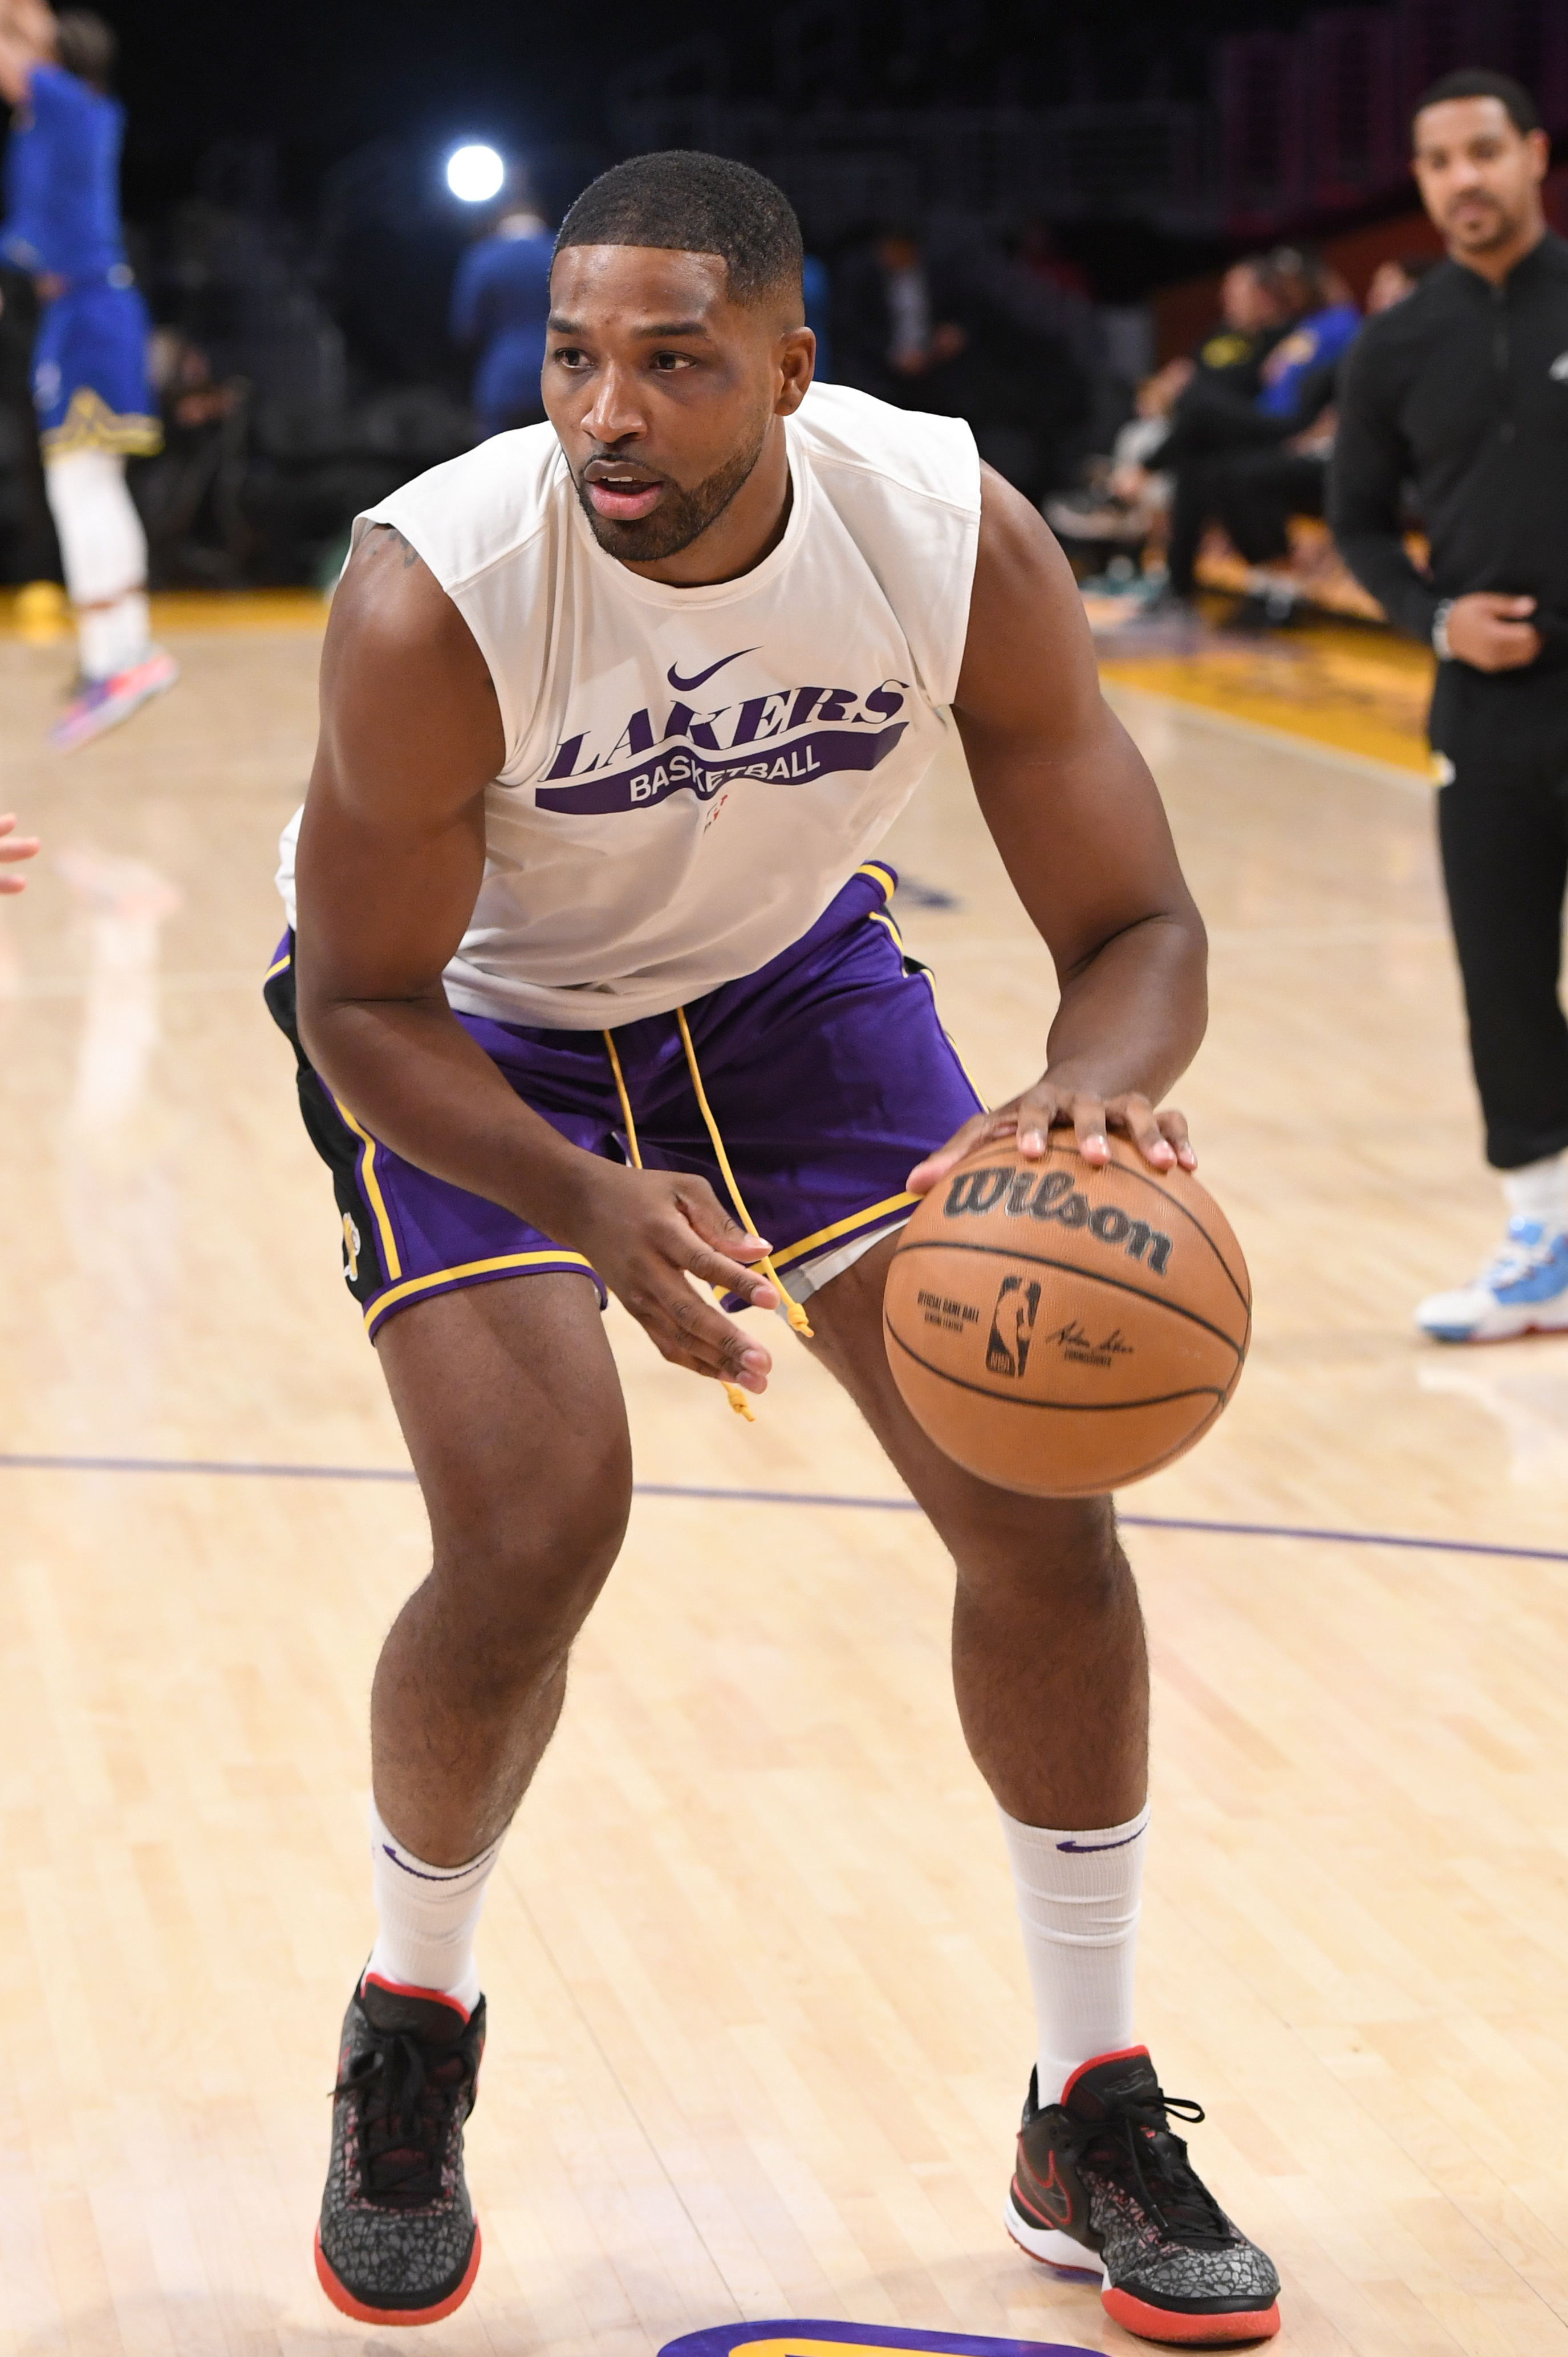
(733, 1391)
(796, 1316)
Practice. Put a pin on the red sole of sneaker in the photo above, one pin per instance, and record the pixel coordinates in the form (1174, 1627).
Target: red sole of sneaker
(347, 2305)
(1189, 2331)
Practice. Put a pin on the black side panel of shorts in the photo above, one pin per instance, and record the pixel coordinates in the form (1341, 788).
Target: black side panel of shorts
(335, 1144)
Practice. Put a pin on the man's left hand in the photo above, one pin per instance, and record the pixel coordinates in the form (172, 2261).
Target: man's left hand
(1027, 1120)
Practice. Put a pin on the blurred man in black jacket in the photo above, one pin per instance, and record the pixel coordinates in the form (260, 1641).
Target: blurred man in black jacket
(1463, 389)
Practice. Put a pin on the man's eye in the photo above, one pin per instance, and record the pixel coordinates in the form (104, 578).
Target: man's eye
(568, 355)
(670, 361)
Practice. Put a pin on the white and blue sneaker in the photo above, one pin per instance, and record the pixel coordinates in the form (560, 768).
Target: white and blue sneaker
(1524, 1290)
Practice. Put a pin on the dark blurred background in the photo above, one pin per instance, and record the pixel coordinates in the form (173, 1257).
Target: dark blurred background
(1064, 182)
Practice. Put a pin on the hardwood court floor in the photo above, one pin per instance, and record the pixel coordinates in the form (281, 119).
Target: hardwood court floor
(759, 2022)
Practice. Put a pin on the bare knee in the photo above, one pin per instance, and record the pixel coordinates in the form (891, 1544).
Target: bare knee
(1064, 1552)
(515, 1576)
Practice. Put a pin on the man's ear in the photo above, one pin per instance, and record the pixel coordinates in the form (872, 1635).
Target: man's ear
(797, 360)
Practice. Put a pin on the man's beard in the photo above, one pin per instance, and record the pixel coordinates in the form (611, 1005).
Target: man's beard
(679, 517)
(1490, 224)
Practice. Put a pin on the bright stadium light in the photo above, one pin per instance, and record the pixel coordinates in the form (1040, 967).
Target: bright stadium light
(474, 174)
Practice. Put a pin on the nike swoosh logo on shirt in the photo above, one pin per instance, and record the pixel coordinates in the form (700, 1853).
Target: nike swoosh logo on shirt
(1082, 1848)
(684, 686)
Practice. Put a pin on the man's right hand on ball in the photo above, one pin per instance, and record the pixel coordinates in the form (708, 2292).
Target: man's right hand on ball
(1491, 632)
(647, 1233)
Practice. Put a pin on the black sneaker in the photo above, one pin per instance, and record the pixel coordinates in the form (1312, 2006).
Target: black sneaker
(1103, 2189)
(397, 2243)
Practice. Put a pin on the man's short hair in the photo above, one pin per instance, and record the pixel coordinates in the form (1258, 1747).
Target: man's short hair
(692, 203)
(86, 47)
(1480, 81)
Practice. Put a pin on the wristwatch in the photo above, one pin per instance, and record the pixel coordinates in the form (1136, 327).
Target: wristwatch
(1440, 645)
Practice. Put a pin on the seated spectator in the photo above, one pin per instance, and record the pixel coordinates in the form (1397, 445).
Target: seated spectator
(1394, 279)
(1214, 425)
(1256, 492)
(501, 303)
(1129, 493)
(1318, 339)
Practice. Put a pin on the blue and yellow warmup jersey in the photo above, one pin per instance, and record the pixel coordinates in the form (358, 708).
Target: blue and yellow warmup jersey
(62, 223)
(62, 176)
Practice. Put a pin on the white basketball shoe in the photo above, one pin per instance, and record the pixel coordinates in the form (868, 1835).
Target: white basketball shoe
(1523, 1290)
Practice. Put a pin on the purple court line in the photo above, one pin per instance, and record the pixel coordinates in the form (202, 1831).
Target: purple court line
(241, 1471)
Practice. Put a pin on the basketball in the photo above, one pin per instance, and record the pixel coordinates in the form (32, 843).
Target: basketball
(1064, 1327)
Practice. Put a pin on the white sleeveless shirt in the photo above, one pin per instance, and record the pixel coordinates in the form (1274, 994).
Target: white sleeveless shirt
(691, 775)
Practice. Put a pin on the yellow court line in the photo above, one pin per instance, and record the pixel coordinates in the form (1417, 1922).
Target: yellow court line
(188, 609)
(412, 1285)
(1344, 721)
(842, 1227)
(240, 609)
(390, 1259)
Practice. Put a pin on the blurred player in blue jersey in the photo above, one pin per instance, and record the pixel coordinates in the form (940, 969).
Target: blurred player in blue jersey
(89, 381)
(500, 301)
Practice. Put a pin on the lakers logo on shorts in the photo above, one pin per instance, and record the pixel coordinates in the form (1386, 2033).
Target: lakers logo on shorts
(811, 2338)
(350, 1250)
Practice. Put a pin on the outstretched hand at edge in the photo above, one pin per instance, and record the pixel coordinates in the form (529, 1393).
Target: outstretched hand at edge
(20, 848)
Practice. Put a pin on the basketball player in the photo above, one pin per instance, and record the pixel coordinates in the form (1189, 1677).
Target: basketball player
(615, 708)
(1463, 389)
(501, 300)
(90, 380)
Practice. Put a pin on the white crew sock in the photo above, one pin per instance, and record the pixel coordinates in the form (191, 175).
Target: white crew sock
(1540, 1191)
(110, 639)
(1077, 1898)
(103, 551)
(427, 1916)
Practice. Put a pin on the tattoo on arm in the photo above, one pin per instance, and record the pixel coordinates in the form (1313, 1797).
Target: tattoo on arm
(410, 554)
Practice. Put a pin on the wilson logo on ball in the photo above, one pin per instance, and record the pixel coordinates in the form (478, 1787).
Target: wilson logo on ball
(1054, 1196)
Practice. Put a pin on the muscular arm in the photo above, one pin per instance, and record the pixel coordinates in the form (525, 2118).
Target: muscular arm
(391, 854)
(1082, 832)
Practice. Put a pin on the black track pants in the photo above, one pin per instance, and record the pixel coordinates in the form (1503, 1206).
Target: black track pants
(1504, 835)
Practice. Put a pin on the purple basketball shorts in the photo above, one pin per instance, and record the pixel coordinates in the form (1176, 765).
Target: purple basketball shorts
(827, 1073)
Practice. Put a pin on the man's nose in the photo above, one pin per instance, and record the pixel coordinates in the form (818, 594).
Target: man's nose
(614, 415)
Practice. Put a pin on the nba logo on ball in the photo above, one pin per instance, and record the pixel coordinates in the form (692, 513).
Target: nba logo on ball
(1061, 1327)
(808, 2338)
